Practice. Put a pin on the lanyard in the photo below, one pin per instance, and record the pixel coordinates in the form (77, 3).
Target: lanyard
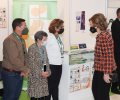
(61, 46)
(20, 40)
(17, 37)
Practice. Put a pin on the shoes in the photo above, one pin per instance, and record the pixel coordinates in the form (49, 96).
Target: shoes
(119, 88)
(116, 91)
(1, 92)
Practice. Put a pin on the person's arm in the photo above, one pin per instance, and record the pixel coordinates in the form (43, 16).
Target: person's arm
(108, 57)
(108, 54)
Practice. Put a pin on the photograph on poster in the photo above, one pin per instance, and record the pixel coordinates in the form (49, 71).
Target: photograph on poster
(3, 18)
(80, 21)
(80, 77)
(82, 27)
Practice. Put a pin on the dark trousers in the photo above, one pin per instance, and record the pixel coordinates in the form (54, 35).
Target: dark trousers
(119, 79)
(53, 81)
(12, 83)
(42, 98)
(100, 88)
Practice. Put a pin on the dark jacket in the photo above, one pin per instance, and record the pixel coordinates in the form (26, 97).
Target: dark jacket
(115, 29)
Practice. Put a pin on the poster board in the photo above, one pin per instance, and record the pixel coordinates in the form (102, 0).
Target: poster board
(4, 23)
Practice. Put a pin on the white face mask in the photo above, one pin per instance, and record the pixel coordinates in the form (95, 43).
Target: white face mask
(44, 43)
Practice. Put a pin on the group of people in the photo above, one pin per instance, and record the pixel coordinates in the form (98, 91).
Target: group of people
(42, 63)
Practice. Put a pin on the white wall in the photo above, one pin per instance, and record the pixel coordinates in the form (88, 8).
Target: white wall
(90, 7)
(63, 13)
(70, 7)
(113, 5)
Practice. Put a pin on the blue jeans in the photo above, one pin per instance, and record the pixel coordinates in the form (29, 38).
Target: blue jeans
(12, 84)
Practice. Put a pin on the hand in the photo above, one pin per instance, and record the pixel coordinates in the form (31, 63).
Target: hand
(22, 74)
(114, 68)
(25, 73)
(107, 78)
(45, 74)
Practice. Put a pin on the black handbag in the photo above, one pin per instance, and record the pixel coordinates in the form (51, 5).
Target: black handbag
(114, 76)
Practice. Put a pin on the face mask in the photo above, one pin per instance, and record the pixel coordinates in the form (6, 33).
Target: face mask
(93, 29)
(25, 31)
(44, 43)
(61, 31)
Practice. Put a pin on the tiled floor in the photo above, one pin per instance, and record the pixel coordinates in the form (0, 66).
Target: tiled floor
(115, 97)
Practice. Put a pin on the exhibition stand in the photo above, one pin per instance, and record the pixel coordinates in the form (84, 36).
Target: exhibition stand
(77, 75)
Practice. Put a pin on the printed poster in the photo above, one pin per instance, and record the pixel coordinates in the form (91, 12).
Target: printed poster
(80, 21)
(3, 18)
(80, 77)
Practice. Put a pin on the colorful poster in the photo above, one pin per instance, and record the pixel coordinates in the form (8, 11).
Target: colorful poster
(82, 25)
(80, 77)
(3, 18)
(80, 21)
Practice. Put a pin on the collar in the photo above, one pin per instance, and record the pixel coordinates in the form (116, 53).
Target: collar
(18, 37)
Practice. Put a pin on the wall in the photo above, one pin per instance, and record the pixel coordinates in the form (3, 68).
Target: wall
(112, 7)
(70, 7)
(63, 13)
(66, 11)
(90, 7)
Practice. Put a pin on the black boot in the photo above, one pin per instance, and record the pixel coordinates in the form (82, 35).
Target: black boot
(114, 88)
(115, 91)
(1, 92)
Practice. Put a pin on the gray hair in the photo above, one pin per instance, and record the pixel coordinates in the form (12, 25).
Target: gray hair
(39, 35)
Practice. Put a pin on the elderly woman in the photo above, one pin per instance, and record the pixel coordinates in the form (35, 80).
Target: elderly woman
(104, 62)
(39, 68)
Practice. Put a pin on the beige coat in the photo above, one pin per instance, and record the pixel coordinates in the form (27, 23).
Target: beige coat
(14, 56)
(37, 85)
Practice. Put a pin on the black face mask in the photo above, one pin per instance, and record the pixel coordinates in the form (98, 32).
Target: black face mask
(93, 29)
(25, 31)
(61, 31)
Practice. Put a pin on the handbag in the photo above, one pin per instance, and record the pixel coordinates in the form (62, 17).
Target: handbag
(114, 76)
